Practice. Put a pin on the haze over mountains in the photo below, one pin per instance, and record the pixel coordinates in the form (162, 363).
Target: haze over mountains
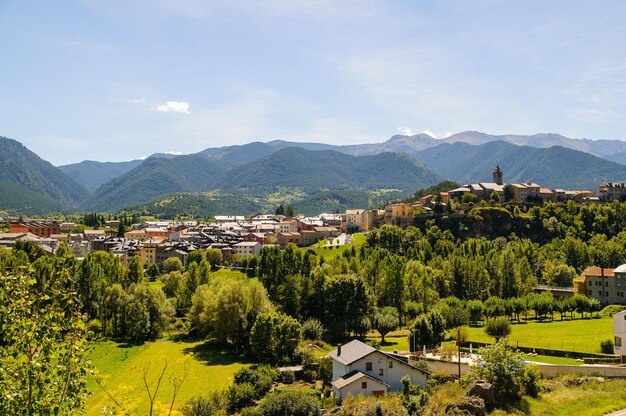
(313, 176)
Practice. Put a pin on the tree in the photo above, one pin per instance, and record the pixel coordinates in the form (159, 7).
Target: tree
(172, 264)
(196, 256)
(501, 366)
(475, 308)
(280, 210)
(468, 197)
(498, 327)
(289, 211)
(385, 320)
(428, 330)
(121, 229)
(214, 257)
(226, 308)
(274, 337)
(44, 352)
(135, 270)
(346, 304)
(312, 329)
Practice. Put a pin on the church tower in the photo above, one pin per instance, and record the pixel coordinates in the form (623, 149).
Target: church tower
(497, 175)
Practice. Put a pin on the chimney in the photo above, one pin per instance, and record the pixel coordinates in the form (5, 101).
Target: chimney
(338, 350)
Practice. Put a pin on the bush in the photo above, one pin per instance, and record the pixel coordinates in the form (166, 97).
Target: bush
(212, 405)
(498, 327)
(312, 329)
(240, 395)
(611, 310)
(289, 402)
(288, 377)
(606, 346)
(259, 377)
(437, 379)
(94, 327)
(529, 379)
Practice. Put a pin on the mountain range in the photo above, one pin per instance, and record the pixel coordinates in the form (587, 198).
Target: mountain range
(312, 176)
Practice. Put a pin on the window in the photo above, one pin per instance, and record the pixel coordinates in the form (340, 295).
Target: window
(380, 371)
(364, 384)
(368, 366)
(618, 341)
(390, 364)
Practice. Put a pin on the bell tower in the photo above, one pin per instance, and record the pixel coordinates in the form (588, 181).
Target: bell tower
(497, 175)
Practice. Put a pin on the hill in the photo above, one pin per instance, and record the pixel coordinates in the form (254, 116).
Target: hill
(554, 167)
(316, 170)
(92, 174)
(303, 173)
(154, 178)
(17, 200)
(20, 166)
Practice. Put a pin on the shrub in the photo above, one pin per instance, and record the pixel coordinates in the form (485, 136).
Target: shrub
(312, 329)
(214, 404)
(288, 377)
(437, 379)
(289, 402)
(259, 377)
(94, 327)
(498, 327)
(529, 379)
(606, 346)
(240, 395)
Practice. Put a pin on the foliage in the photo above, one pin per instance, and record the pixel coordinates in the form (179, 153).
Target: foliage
(606, 346)
(385, 320)
(500, 365)
(312, 329)
(213, 404)
(498, 327)
(274, 337)
(44, 351)
(289, 402)
(428, 329)
(226, 308)
(260, 377)
(388, 405)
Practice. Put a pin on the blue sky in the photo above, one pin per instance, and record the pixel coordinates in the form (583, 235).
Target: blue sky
(119, 79)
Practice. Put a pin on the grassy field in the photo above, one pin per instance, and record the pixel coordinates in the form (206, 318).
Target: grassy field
(581, 335)
(586, 400)
(548, 359)
(122, 365)
(329, 252)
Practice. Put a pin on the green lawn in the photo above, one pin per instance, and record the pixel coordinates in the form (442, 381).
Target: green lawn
(228, 273)
(329, 252)
(207, 367)
(586, 400)
(549, 359)
(580, 335)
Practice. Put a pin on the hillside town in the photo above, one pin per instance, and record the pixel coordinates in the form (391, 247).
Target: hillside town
(235, 235)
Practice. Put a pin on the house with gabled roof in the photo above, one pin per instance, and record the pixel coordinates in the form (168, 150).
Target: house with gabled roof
(361, 369)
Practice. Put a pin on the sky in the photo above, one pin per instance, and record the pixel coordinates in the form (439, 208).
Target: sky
(116, 80)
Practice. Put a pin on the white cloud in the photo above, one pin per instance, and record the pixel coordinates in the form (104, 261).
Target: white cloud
(406, 131)
(448, 134)
(171, 152)
(429, 133)
(173, 107)
(137, 101)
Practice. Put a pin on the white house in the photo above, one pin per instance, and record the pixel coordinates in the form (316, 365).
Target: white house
(248, 248)
(619, 332)
(361, 369)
